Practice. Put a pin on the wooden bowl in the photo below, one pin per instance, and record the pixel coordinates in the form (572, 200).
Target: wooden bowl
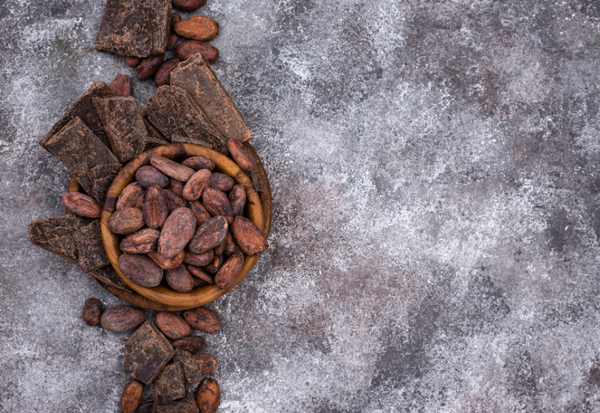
(163, 296)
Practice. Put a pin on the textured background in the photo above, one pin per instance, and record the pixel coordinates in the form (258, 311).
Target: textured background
(435, 179)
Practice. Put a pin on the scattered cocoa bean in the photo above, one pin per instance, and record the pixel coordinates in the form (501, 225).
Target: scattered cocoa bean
(199, 162)
(172, 41)
(148, 67)
(217, 204)
(140, 269)
(129, 195)
(208, 397)
(198, 273)
(216, 263)
(172, 326)
(155, 208)
(167, 264)
(187, 49)
(188, 5)
(237, 199)
(221, 181)
(141, 242)
(209, 235)
(163, 75)
(148, 176)
(200, 213)
(132, 61)
(209, 362)
(180, 279)
(248, 237)
(82, 205)
(172, 169)
(240, 155)
(197, 28)
(199, 260)
(126, 220)
(122, 318)
(173, 201)
(122, 85)
(177, 231)
(191, 344)
(175, 18)
(197, 183)
(203, 319)
(176, 186)
(230, 245)
(92, 310)
(131, 397)
(230, 269)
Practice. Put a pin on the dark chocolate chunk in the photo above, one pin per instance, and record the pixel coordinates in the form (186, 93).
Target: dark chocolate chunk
(109, 276)
(83, 108)
(146, 352)
(134, 28)
(173, 112)
(185, 405)
(102, 177)
(169, 385)
(56, 235)
(92, 255)
(196, 77)
(192, 367)
(186, 139)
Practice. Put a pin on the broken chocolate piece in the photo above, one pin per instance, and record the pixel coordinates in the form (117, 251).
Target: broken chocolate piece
(173, 112)
(56, 235)
(197, 78)
(134, 28)
(192, 366)
(169, 385)
(185, 405)
(92, 255)
(146, 352)
(109, 276)
(194, 141)
(102, 177)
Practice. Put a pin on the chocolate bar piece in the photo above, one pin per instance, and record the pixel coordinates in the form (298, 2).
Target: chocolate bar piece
(186, 139)
(123, 125)
(102, 177)
(134, 28)
(56, 235)
(197, 78)
(185, 405)
(92, 255)
(192, 367)
(79, 149)
(83, 108)
(173, 112)
(168, 386)
(146, 353)
(109, 276)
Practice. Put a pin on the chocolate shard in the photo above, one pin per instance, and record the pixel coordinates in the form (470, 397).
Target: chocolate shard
(185, 405)
(109, 276)
(169, 385)
(146, 353)
(192, 366)
(102, 177)
(92, 255)
(134, 28)
(83, 108)
(79, 149)
(196, 77)
(173, 112)
(154, 137)
(123, 125)
(186, 139)
(56, 235)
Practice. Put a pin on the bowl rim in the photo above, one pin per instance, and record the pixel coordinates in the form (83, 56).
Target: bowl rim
(160, 294)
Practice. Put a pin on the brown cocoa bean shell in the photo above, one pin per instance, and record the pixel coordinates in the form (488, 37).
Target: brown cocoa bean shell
(131, 397)
(188, 5)
(122, 318)
(166, 264)
(240, 155)
(229, 270)
(180, 279)
(172, 41)
(129, 196)
(191, 344)
(209, 235)
(126, 221)
(217, 204)
(237, 199)
(199, 260)
(177, 231)
(197, 183)
(197, 28)
(139, 204)
(175, 18)
(208, 397)
(221, 182)
(141, 242)
(187, 49)
(148, 176)
(172, 169)
(200, 213)
(82, 205)
(199, 162)
(122, 85)
(209, 362)
(92, 310)
(202, 319)
(163, 74)
(230, 247)
(172, 326)
(216, 263)
(173, 201)
(220, 249)
(155, 208)
(176, 186)
(199, 273)
(140, 269)
(132, 61)
(248, 237)
(148, 67)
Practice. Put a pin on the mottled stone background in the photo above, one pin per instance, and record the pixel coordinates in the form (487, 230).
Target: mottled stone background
(436, 186)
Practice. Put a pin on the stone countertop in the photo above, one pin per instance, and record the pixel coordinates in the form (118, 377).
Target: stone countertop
(435, 176)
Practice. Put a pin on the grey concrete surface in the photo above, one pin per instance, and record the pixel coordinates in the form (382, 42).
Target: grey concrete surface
(436, 185)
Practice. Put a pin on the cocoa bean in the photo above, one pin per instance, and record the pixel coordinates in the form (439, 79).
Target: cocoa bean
(126, 221)
(197, 183)
(140, 269)
(230, 269)
(172, 169)
(163, 75)
(197, 28)
(248, 237)
(209, 235)
(203, 319)
(131, 397)
(147, 407)
(167, 264)
(220, 249)
(188, 5)
(216, 263)
(148, 67)
(199, 162)
(177, 231)
(122, 318)
(199, 260)
(132, 61)
(209, 362)
(230, 247)
(187, 49)
(122, 85)
(221, 182)
(172, 41)
(237, 199)
(198, 273)
(176, 186)
(82, 205)
(148, 176)
(173, 201)
(155, 208)
(172, 326)
(217, 204)
(191, 344)
(139, 204)
(200, 213)
(141, 242)
(208, 397)
(199, 283)
(175, 18)
(92, 310)
(180, 279)
(129, 195)
(240, 155)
